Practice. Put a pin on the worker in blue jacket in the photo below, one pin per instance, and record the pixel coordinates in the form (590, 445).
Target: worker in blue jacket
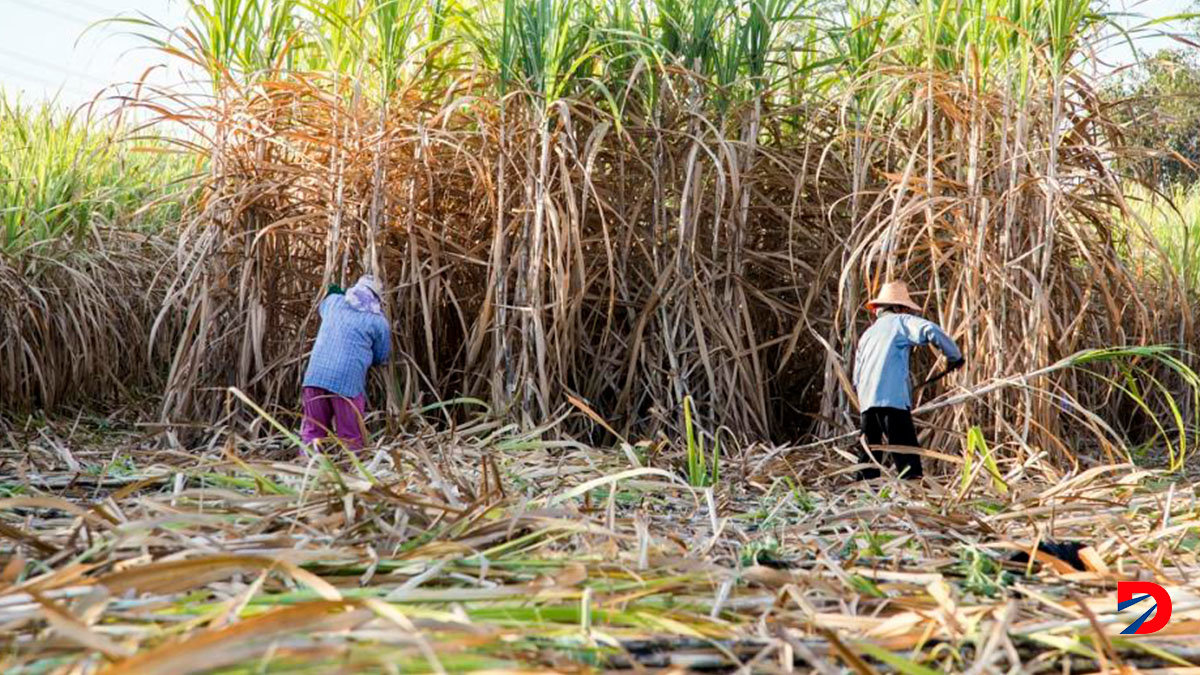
(881, 377)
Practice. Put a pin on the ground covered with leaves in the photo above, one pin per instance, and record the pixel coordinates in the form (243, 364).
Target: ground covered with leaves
(488, 548)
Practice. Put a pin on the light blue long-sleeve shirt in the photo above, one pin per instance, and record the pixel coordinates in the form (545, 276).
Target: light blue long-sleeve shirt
(881, 365)
(348, 343)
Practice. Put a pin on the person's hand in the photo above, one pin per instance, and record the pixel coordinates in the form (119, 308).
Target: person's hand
(955, 365)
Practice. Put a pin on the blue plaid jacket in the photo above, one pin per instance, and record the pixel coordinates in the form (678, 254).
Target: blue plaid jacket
(348, 343)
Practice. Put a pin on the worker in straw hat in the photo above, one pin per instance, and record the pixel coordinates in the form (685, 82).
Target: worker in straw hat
(353, 337)
(881, 377)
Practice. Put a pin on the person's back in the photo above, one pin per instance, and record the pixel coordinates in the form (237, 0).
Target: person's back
(348, 343)
(353, 336)
(881, 366)
(881, 377)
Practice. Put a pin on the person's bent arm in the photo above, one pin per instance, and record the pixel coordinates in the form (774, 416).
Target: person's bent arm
(381, 345)
(929, 332)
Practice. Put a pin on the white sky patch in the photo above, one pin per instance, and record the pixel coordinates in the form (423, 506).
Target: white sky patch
(1118, 52)
(47, 50)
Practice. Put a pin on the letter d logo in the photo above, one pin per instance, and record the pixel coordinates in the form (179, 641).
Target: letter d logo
(1144, 589)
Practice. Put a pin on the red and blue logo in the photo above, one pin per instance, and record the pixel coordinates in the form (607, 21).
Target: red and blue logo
(1130, 593)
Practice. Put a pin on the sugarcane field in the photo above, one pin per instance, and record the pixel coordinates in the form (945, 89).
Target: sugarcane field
(580, 336)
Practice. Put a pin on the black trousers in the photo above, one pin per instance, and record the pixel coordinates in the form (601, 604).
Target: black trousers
(897, 425)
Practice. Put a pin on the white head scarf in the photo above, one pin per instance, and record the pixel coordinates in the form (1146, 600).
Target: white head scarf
(364, 295)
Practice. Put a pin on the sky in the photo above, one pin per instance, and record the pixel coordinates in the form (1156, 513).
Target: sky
(45, 52)
(1147, 9)
(48, 51)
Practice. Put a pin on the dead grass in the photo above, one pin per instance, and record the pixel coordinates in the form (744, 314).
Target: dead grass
(77, 319)
(490, 548)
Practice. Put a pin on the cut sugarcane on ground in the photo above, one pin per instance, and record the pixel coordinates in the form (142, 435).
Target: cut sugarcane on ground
(488, 548)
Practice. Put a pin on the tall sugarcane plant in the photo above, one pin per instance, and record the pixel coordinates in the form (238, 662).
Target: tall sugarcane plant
(643, 202)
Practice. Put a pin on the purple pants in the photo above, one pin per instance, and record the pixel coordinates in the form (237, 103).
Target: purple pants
(325, 411)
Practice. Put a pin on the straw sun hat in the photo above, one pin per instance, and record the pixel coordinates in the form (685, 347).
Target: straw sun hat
(894, 293)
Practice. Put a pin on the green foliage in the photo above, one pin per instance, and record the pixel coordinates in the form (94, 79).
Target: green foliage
(899, 663)
(977, 445)
(395, 33)
(702, 470)
(1173, 220)
(121, 466)
(1139, 377)
(864, 586)
(873, 541)
(757, 550)
(1158, 113)
(800, 497)
(737, 48)
(981, 574)
(62, 174)
(12, 489)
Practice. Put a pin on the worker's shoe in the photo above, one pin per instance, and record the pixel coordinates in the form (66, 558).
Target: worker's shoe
(868, 473)
(908, 466)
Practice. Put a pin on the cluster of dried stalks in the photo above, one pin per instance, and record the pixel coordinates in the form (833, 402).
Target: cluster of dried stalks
(639, 265)
(633, 262)
(76, 320)
(1006, 211)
